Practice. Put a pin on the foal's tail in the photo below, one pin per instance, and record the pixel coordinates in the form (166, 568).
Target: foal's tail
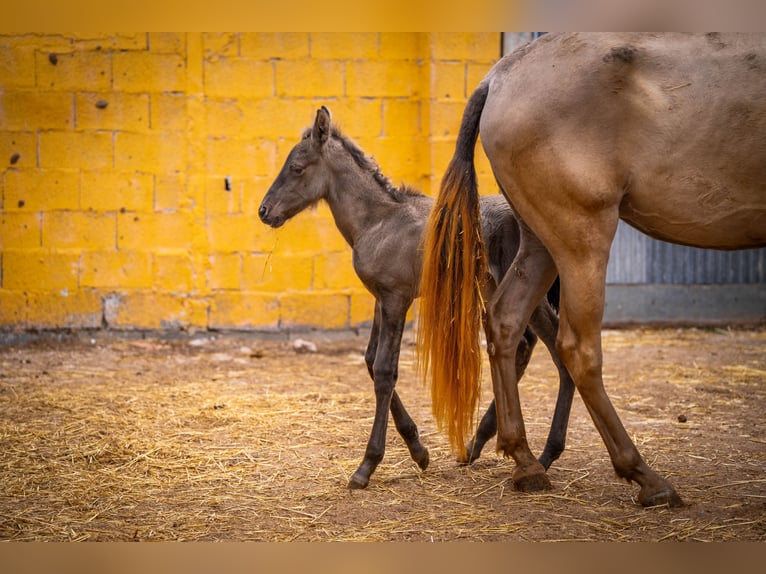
(454, 271)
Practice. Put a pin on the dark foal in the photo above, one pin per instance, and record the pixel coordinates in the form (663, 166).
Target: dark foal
(384, 225)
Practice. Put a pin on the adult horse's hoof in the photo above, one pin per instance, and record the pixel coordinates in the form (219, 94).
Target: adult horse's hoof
(358, 482)
(531, 479)
(665, 496)
(533, 483)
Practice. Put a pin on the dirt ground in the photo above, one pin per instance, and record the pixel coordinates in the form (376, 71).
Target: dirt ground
(240, 437)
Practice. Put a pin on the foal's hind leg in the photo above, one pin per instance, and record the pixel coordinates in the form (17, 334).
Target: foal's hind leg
(390, 315)
(545, 323)
(488, 425)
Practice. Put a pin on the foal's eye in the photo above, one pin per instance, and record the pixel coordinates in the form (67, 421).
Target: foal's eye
(297, 170)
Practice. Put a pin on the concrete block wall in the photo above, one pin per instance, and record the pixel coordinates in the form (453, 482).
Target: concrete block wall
(116, 150)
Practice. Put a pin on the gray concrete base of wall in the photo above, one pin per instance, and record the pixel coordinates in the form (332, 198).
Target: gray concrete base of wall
(694, 305)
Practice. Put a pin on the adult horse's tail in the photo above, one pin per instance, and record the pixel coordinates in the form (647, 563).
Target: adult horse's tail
(454, 271)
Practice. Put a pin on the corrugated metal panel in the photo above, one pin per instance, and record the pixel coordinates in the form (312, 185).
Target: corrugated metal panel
(638, 259)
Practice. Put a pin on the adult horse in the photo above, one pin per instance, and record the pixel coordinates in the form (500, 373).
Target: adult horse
(664, 131)
(384, 224)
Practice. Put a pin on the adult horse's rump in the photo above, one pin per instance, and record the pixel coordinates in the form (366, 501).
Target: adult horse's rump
(666, 131)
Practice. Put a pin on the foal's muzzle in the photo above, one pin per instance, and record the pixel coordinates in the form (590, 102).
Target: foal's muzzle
(265, 214)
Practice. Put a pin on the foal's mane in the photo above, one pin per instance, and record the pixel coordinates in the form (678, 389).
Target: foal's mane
(368, 164)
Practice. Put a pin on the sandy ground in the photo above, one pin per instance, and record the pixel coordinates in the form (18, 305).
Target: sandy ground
(240, 437)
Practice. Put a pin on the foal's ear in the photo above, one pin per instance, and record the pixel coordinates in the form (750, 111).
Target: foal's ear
(321, 130)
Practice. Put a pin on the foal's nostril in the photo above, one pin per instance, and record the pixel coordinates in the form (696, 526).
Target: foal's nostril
(263, 211)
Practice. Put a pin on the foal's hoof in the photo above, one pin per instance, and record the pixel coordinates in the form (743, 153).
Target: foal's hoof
(665, 496)
(471, 454)
(422, 459)
(533, 483)
(358, 482)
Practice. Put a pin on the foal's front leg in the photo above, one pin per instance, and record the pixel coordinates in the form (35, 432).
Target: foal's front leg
(388, 325)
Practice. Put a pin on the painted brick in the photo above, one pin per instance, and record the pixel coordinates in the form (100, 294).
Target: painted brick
(384, 79)
(80, 70)
(277, 272)
(217, 44)
(35, 110)
(79, 230)
(468, 46)
(328, 310)
(475, 73)
(277, 118)
(356, 117)
(68, 309)
(108, 190)
(157, 231)
(252, 194)
(40, 269)
(167, 43)
(19, 230)
(147, 310)
(170, 193)
(335, 271)
(244, 309)
(224, 117)
(230, 233)
(361, 308)
(126, 112)
(75, 150)
(13, 309)
(116, 269)
(344, 46)
(17, 67)
(304, 233)
(225, 271)
(196, 313)
(108, 40)
(148, 72)
(41, 190)
(239, 77)
(399, 158)
(230, 156)
(277, 45)
(309, 78)
(401, 45)
(173, 273)
(401, 118)
(18, 150)
(448, 81)
(169, 112)
(445, 119)
(220, 200)
(182, 111)
(158, 153)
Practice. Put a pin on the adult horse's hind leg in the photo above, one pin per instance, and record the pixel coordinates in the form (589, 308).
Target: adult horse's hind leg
(384, 346)
(488, 425)
(510, 310)
(583, 282)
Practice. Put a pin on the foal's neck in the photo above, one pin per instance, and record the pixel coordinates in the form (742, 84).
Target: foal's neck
(358, 202)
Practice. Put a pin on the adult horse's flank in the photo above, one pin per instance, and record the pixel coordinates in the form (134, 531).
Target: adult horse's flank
(384, 227)
(667, 132)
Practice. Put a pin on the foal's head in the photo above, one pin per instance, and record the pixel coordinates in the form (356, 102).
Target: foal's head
(305, 177)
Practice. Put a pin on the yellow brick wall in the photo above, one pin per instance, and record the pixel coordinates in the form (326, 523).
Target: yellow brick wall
(114, 149)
